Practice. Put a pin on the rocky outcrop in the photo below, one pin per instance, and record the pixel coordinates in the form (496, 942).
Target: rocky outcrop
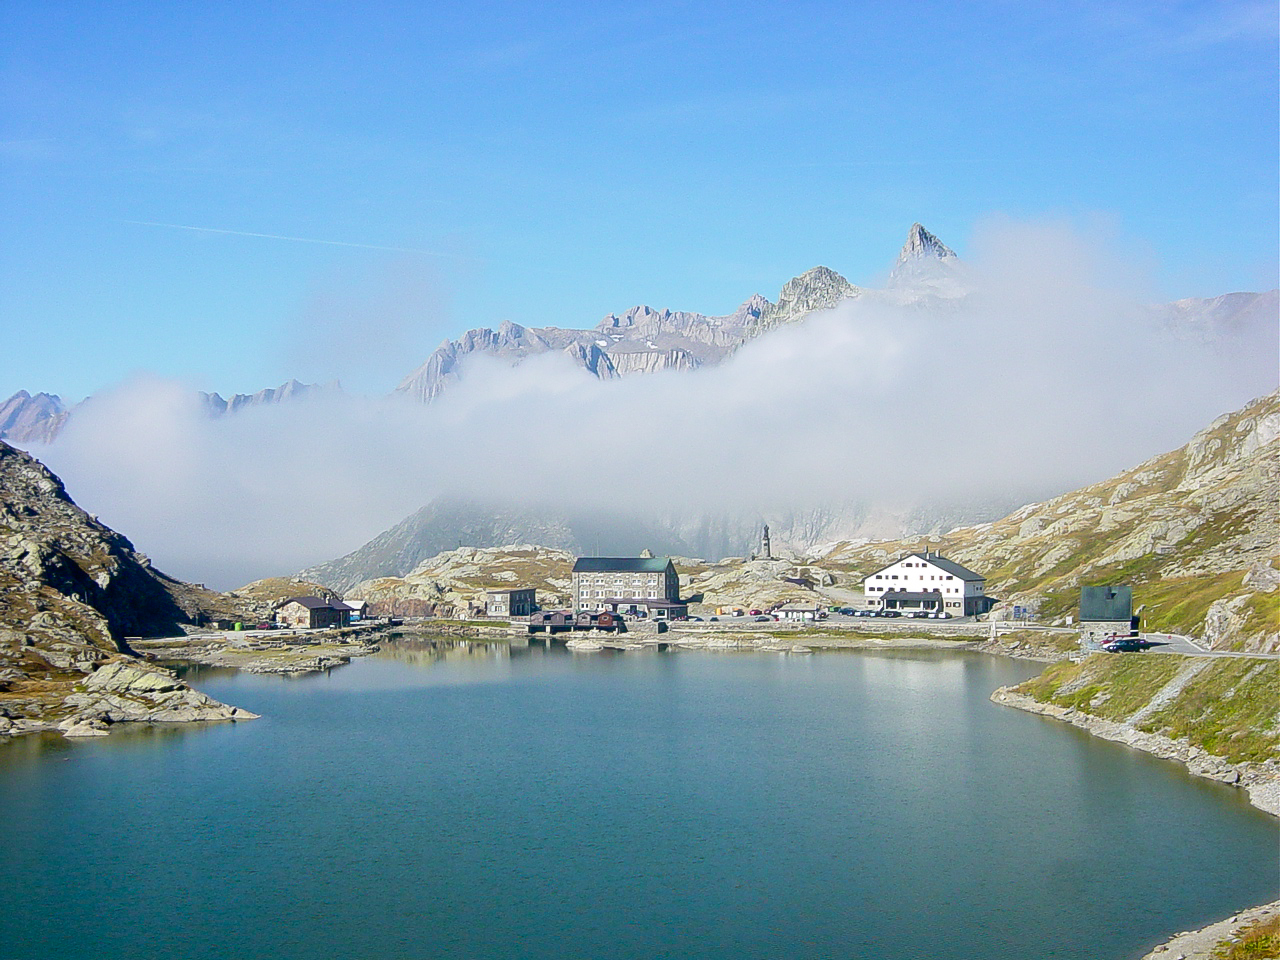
(72, 593)
(121, 691)
(818, 289)
(449, 583)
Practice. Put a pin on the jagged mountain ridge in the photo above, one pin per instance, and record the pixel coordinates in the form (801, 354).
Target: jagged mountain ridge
(645, 340)
(639, 340)
(32, 419)
(41, 418)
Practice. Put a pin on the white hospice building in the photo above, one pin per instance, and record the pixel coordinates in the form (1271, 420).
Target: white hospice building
(930, 582)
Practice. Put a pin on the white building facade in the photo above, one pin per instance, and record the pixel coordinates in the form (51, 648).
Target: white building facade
(928, 582)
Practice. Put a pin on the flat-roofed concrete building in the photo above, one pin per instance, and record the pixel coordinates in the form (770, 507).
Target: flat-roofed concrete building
(600, 582)
(928, 582)
(520, 602)
(1106, 611)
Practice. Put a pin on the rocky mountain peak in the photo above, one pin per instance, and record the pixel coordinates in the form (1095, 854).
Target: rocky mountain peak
(750, 309)
(927, 264)
(817, 289)
(25, 418)
(921, 243)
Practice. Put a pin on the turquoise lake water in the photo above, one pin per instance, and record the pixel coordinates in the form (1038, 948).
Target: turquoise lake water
(456, 801)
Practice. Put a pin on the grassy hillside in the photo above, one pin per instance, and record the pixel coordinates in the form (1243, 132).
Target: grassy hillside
(1227, 706)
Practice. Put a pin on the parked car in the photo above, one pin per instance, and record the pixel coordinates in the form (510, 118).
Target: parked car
(763, 619)
(755, 613)
(694, 619)
(1124, 645)
(919, 614)
(888, 613)
(714, 620)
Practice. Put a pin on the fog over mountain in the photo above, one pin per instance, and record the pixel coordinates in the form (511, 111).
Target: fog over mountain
(957, 387)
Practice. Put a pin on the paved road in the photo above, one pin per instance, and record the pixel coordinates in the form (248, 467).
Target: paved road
(1175, 643)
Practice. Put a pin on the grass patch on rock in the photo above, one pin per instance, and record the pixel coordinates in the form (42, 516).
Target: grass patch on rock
(1257, 941)
(1229, 709)
(1107, 685)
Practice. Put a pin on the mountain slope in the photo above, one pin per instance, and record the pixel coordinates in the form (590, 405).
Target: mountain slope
(1195, 531)
(71, 592)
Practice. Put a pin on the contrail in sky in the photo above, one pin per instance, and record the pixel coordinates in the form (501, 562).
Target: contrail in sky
(277, 236)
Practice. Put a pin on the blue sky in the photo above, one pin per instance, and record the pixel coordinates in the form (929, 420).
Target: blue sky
(551, 163)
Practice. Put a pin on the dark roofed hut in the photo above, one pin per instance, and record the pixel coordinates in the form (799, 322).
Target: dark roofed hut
(1106, 611)
(313, 613)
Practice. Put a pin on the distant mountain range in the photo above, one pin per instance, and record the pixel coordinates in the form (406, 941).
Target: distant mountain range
(643, 340)
(39, 419)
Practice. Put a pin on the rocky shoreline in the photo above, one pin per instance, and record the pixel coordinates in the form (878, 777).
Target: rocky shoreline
(1260, 780)
(1200, 944)
(292, 655)
(122, 690)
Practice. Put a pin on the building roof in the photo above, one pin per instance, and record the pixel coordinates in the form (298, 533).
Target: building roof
(942, 563)
(311, 603)
(621, 564)
(1106, 603)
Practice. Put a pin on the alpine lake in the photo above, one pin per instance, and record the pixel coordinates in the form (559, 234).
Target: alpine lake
(446, 798)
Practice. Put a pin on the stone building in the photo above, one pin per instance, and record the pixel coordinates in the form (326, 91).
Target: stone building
(511, 603)
(312, 612)
(1106, 611)
(928, 582)
(600, 582)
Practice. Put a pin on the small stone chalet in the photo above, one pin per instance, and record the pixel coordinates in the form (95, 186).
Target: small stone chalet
(927, 582)
(312, 612)
(599, 583)
(511, 603)
(1106, 612)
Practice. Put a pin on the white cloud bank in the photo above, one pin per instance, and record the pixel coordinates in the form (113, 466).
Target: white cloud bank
(1047, 379)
